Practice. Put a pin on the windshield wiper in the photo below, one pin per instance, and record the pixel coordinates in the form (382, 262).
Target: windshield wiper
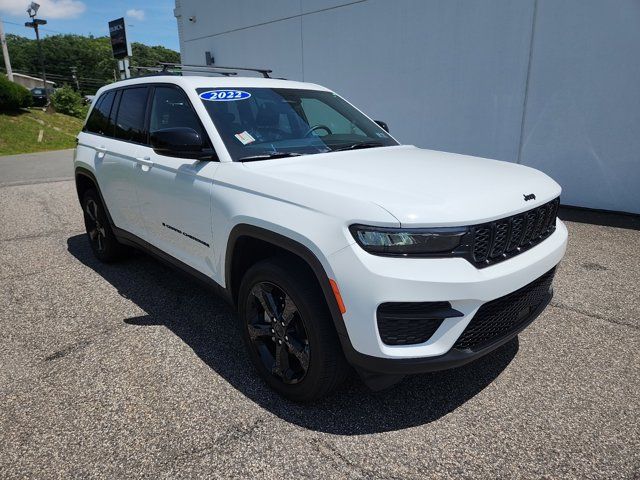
(268, 156)
(355, 146)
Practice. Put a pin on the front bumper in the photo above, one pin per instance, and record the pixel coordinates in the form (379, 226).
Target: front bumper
(366, 281)
(453, 358)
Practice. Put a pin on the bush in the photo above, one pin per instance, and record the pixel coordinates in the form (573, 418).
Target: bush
(66, 100)
(13, 96)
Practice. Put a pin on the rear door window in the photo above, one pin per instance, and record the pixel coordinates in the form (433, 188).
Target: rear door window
(98, 121)
(131, 115)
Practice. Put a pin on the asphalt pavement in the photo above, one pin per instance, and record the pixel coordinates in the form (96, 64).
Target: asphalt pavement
(40, 167)
(132, 370)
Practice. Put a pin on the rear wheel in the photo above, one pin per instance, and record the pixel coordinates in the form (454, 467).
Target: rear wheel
(288, 331)
(101, 238)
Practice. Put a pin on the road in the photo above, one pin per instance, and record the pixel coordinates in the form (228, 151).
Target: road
(40, 167)
(131, 370)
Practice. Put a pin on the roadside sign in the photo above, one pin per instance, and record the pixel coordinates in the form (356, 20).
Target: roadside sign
(119, 43)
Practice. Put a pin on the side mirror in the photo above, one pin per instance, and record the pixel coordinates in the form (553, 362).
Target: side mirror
(382, 125)
(181, 142)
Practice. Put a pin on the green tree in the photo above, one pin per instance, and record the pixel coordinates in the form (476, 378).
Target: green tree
(145, 56)
(13, 96)
(91, 56)
(66, 100)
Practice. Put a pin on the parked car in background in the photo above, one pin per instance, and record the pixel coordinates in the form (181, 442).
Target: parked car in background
(39, 96)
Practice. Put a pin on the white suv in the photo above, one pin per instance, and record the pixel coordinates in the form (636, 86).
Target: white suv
(336, 244)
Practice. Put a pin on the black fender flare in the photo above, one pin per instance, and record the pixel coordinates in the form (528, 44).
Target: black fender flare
(301, 251)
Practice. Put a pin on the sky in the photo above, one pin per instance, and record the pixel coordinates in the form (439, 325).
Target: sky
(148, 21)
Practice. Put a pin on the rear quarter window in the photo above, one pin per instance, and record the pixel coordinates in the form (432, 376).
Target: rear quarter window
(98, 121)
(131, 115)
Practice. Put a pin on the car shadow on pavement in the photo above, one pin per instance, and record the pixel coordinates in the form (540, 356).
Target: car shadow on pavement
(208, 326)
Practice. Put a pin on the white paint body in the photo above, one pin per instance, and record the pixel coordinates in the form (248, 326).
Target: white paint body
(313, 200)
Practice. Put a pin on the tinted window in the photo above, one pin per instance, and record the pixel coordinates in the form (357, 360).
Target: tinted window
(111, 124)
(171, 108)
(98, 121)
(131, 111)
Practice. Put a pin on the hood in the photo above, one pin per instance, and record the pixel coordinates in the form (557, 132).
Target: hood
(419, 187)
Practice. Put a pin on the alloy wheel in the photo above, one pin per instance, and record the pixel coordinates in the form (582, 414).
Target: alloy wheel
(277, 333)
(95, 228)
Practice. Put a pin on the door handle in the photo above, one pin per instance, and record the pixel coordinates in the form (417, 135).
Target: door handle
(144, 161)
(101, 151)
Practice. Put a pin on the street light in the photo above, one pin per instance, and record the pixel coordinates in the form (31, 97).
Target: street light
(33, 9)
(34, 23)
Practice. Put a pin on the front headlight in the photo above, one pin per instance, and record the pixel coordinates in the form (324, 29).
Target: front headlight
(403, 241)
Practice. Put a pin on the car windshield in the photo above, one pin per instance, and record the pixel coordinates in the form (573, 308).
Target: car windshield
(263, 123)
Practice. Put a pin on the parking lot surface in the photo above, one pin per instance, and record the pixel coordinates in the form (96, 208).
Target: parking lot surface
(133, 370)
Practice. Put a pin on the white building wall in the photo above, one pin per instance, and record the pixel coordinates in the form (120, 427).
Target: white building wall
(30, 82)
(582, 121)
(545, 83)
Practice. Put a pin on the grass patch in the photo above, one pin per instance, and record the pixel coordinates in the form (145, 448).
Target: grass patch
(19, 131)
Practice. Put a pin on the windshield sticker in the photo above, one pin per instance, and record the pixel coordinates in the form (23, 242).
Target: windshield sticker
(245, 137)
(381, 135)
(224, 95)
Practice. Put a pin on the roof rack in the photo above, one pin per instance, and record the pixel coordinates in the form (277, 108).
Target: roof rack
(165, 70)
(165, 67)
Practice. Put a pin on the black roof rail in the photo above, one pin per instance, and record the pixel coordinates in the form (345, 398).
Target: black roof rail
(152, 71)
(165, 70)
(212, 68)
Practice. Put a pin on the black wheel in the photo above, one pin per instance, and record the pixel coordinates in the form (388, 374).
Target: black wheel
(288, 331)
(101, 238)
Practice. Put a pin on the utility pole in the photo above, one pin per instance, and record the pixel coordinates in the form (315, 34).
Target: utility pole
(5, 52)
(34, 23)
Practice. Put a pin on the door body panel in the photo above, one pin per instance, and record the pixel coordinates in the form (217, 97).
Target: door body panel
(175, 192)
(117, 174)
(175, 201)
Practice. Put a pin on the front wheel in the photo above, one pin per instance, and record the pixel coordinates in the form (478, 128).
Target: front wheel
(288, 331)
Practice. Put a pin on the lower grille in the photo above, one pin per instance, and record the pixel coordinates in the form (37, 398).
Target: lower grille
(500, 317)
(410, 323)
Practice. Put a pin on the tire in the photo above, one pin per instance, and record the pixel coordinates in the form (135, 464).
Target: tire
(311, 360)
(103, 242)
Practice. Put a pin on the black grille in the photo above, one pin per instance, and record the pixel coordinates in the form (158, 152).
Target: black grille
(496, 241)
(517, 223)
(500, 317)
(481, 243)
(409, 323)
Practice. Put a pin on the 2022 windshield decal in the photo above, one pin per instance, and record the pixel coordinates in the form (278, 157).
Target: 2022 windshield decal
(195, 239)
(224, 95)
